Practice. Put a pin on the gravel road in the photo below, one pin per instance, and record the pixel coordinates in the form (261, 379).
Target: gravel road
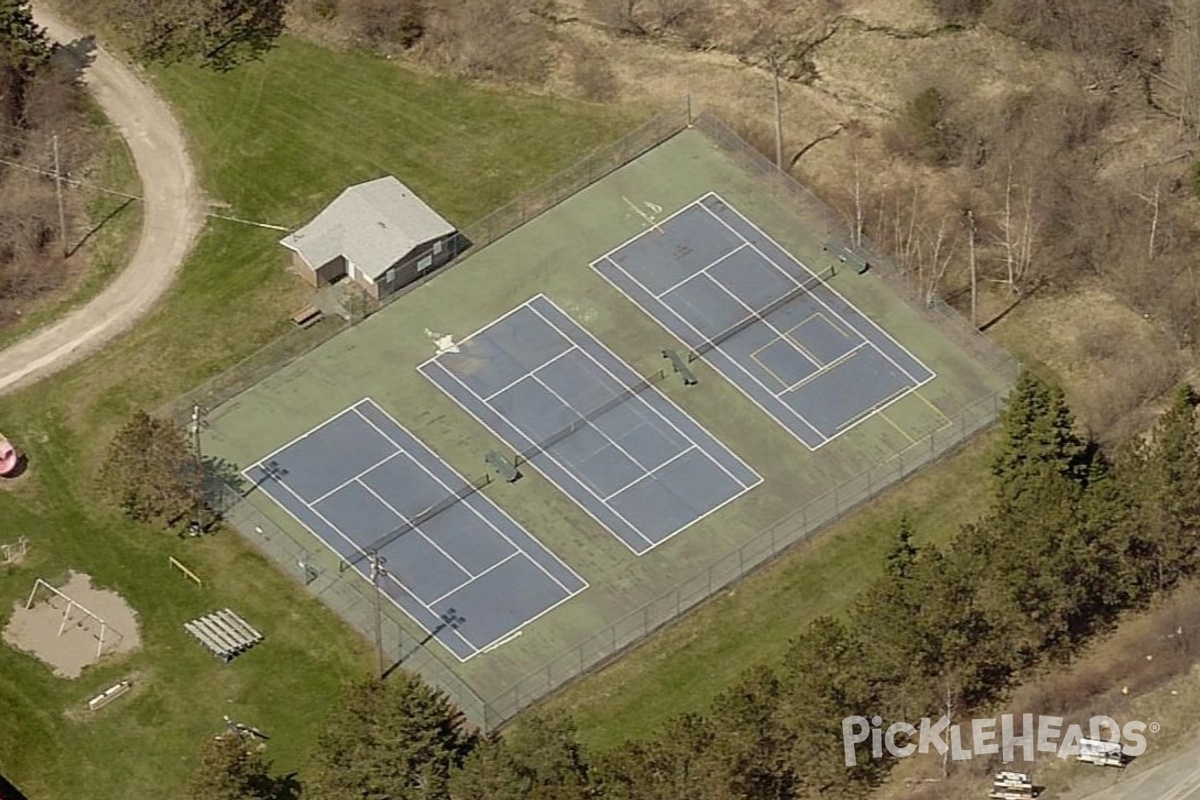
(172, 215)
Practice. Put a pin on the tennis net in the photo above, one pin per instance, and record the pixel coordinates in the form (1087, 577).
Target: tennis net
(758, 315)
(417, 521)
(585, 418)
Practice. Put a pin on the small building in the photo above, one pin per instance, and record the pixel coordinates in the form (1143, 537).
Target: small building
(378, 234)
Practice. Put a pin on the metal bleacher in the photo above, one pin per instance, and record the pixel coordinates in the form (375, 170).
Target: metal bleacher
(224, 633)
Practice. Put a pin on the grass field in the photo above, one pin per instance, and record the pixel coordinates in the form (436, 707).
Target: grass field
(551, 255)
(232, 297)
(684, 666)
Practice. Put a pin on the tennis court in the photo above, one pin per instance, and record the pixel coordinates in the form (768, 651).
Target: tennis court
(460, 567)
(635, 461)
(768, 324)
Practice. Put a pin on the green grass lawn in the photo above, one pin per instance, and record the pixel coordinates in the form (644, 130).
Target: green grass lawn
(686, 665)
(274, 142)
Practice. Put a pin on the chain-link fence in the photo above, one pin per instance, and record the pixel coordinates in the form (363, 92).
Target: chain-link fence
(726, 570)
(287, 348)
(351, 597)
(836, 229)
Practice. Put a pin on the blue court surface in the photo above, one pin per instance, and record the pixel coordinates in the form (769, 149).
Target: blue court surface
(458, 565)
(784, 337)
(587, 421)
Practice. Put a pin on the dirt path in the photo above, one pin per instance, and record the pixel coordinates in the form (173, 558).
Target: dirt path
(173, 212)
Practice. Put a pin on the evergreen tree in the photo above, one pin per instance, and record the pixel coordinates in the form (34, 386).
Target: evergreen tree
(1164, 473)
(752, 745)
(231, 769)
(888, 615)
(673, 764)
(23, 44)
(540, 759)
(903, 556)
(397, 739)
(1033, 548)
(1038, 437)
(826, 678)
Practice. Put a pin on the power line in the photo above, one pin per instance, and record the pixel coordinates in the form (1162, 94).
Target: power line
(81, 184)
(95, 187)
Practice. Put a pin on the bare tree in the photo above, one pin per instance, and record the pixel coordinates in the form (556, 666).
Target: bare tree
(1017, 233)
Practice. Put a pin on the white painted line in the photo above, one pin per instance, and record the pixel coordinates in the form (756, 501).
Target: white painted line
(344, 484)
(532, 372)
(650, 473)
(735, 362)
(471, 580)
(827, 287)
(701, 271)
(513, 446)
(360, 572)
(469, 500)
(832, 365)
(640, 396)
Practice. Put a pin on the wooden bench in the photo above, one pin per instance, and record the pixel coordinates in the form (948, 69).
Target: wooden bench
(308, 316)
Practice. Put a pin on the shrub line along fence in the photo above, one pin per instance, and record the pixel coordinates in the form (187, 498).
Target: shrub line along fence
(351, 598)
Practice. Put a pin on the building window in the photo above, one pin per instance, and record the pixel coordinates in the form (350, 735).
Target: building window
(425, 263)
(390, 275)
(437, 247)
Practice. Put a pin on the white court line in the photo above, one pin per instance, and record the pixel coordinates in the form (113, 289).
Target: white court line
(546, 453)
(790, 334)
(416, 529)
(795, 343)
(471, 580)
(544, 364)
(585, 334)
(702, 270)
(867, 320)
(740, 367)
(470, 504)
(306, 434)
(736, 362)
(478, 331)
(342, 557)
(779, 335)
(873, 410)
(842, 359)
(643, 232)
(649, 473)
(567, 593)
(639, 395)
(592, 424)
(503, 640)
(568, 472)
(828, 288)
(346, 483)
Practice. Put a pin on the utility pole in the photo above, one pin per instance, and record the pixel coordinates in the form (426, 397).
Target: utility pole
(974, 277)
(62, 216)
(774, 61)
(198, 412)
(377, 562)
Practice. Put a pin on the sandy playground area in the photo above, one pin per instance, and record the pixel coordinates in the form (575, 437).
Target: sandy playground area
(70, 647)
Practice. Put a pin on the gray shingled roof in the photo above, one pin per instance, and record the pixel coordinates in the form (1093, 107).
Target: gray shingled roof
(372, 224)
